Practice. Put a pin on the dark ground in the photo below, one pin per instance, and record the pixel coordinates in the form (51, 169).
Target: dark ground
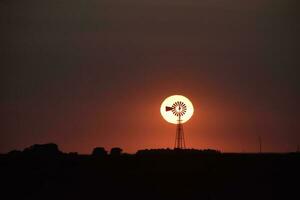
(149, 174)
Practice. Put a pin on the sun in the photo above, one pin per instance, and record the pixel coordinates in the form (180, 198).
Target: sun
(175, 107)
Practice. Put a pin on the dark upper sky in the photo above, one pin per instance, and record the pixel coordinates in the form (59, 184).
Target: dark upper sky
(86, 73)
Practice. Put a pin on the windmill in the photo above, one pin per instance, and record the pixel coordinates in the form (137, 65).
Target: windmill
(177, 110)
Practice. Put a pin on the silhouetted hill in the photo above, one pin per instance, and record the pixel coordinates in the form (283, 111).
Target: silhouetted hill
(44, 172)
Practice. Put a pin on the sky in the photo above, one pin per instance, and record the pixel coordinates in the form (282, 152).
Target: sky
(87, 73)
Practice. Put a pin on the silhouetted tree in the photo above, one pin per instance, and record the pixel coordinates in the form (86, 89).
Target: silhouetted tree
(99, 152)
(116, 151)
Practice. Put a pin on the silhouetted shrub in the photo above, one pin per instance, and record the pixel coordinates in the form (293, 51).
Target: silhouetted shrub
(177, 151)
(73, 154)
(14, 153)
(116, 151)
(99, 152)
(50, 149)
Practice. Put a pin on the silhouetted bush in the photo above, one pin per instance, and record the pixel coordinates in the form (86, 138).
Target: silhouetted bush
(178, 152)
(73, 154)
(99, 152)
(116, 151)
(14, 153)
(50, 149)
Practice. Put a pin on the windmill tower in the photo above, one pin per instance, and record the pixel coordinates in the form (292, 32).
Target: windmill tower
(179, 139)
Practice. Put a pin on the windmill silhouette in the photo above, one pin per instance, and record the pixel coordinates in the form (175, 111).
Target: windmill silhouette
(178, 109)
